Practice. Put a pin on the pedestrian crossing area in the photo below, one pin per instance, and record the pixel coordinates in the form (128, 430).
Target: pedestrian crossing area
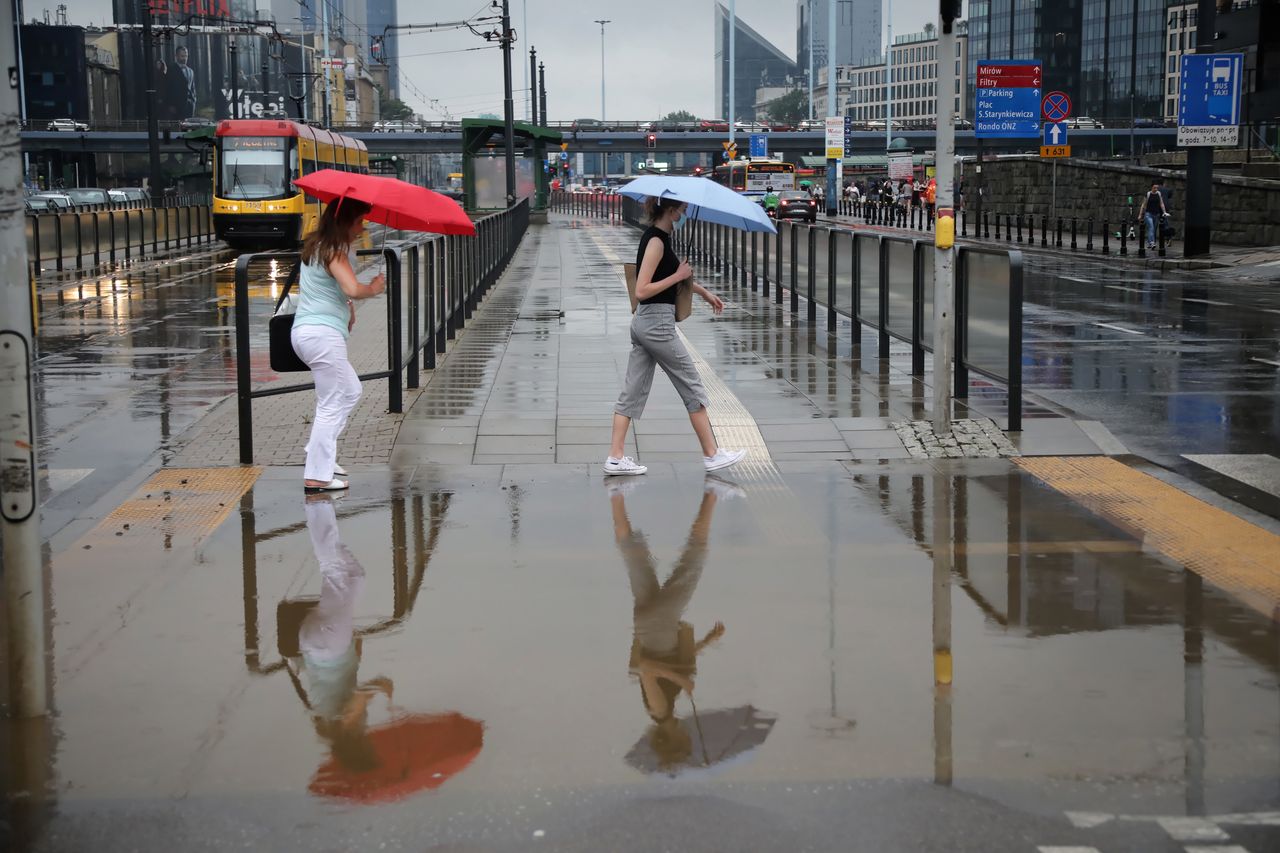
(1251, 832)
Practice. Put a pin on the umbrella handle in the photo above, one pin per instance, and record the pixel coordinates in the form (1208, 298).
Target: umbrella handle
(697, 723)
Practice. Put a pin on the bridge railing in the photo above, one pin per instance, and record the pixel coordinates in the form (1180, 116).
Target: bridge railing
(434, 284)
(62, 240)
(883, 283)
(603, 205)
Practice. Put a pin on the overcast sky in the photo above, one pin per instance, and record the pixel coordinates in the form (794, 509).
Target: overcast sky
(659, 54)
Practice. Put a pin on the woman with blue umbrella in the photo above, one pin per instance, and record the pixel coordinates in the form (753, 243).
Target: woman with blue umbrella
(655, 343)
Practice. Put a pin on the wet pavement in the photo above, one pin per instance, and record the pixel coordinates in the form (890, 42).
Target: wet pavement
(491, 647)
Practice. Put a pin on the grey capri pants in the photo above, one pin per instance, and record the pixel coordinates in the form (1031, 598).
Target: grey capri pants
(654, 343)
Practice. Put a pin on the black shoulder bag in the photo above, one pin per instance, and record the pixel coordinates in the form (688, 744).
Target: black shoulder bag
(283, 357)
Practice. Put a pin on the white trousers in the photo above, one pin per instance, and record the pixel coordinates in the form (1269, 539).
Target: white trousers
(337, 392)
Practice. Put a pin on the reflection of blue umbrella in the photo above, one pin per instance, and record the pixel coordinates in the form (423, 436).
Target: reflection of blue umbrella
(707, 200)
(715, 738)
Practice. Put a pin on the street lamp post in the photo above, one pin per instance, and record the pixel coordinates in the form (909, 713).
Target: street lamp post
(602, 23)
(508, 107)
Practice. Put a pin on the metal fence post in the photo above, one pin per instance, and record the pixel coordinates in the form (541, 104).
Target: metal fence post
(917, 308)
(811, 312)
(755, 261)
(429, 286)
(415, 331)
(831, 278)
(395, 342)
(244, 402)
(1015, 342)
(1073, 234)
(883, 284)
(795, 268)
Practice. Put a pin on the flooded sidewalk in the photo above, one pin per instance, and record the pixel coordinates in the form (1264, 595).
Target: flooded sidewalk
(488, 645)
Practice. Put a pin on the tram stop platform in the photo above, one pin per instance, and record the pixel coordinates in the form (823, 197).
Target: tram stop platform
(851, 640)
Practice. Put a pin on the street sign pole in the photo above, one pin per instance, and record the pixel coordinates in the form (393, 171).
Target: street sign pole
(1200, 158)
(832, 163)
(945, 227)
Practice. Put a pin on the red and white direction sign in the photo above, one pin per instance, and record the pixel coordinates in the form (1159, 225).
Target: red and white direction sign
(1056, 106)
(1000, 75)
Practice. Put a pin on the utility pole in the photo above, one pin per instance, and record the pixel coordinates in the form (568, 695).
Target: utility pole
(24, 588)
(153, 131)
(602, 23)
(533, 93)
(531, 103)
(542, 93)
(235, 79)
(833, 197)
(888, 84)
(328, 82)
(809, 27)
(944, 231)
(1200, 157)
(508, 107)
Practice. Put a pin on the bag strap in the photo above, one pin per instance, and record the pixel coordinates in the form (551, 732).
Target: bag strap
(288, 283)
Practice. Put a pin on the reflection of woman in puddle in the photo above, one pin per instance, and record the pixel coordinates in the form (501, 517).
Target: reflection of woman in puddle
(331, 651)
(663, 652)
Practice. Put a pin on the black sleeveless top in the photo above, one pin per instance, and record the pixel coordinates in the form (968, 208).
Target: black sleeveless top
(666, 267)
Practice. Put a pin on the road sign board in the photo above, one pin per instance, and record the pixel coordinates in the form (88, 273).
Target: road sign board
(835, 137)
(1055, 150)
(1209, 99)
(1007, 99)
(1056, 106)
(564, 146)
(564, 155)
(728, 146)
(759, 145)
(1055, 133)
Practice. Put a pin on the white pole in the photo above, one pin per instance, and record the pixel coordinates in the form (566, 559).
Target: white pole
(602, 23)
(944, 232)
(328, 83)
(832, 164)
(733, 32)
(888, 86)
(24, 587)
(524, 28)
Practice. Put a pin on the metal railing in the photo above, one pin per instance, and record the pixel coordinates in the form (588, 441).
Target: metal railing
(604, 205)
(884, 283)
(441, 278)
(79, 238)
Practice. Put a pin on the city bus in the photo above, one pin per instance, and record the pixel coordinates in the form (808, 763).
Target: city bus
(255, 205)
(756, 175)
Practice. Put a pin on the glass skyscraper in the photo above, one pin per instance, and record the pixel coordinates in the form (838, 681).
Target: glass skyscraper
(758, 64)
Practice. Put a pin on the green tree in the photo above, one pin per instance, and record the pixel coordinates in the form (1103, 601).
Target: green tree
(789, 108)
(393, 108)
(680, 115)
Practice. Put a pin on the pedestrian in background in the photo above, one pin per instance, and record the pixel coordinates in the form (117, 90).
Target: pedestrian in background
(656, 343)
(1152, 213)
(326, 314)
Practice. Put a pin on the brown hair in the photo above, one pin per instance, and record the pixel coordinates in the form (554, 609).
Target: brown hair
(331, 236)
(655, 206)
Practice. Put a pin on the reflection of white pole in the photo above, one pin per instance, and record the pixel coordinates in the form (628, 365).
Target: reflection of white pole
(942, 660)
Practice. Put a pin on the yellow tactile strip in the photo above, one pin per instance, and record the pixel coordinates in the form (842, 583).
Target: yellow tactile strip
(187, 502)
(1234, 555)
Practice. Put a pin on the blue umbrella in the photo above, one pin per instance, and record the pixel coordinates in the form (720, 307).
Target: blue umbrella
(707, 201)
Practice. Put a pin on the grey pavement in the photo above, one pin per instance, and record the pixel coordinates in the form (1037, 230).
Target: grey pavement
(860, 649)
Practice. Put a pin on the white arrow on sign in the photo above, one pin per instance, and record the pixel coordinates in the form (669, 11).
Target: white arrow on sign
(1055, 130)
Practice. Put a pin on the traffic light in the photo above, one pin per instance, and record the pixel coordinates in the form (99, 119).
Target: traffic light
(651, 140)
(949, 11)
(697, 170)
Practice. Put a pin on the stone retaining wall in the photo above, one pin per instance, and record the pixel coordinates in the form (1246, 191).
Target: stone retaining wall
(1246, 211)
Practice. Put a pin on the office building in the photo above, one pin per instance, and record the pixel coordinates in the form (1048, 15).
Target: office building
(860, 89)
(384, 48)
(758, 63)
(858, 33)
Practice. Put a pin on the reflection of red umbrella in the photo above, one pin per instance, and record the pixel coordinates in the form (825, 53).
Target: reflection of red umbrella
(395, 203)
(414, 753)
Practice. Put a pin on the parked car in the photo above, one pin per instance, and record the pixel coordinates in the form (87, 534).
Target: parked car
(1084, 123)
(671, 126)
(589, 125)
(714, 125)
(398, 126)
(133, 196)
(751, 126)
(43, 204)
(89, 197)
(68, 124)
(796, 204)
(1150, 122)
(52, 201)
(196, 123)
(878, 124)
(811, 124)
(781, 125)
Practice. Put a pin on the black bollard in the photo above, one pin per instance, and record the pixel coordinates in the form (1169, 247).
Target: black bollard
(1058, 241)
(1008, 229)
(1142, 236)
(964, 224)
(1031, 229)
(1019, 218)
(1160, 236)
(986, 226)
(1088, 237)
(997, 226)
(1073, 234)
(1044, 231)
(1124, 238)
(1106, 236)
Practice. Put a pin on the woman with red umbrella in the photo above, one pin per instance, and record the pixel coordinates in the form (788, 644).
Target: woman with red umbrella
(326, 315)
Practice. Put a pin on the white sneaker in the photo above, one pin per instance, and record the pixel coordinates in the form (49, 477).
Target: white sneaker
(723, 459)
(624, 466)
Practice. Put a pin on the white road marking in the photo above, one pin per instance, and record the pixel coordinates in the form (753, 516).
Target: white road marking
(1259, 470)
(1215, 848)
(1266, 361)
(1121, 329)
(1081, 280)
(1206, 301)
(1249, 819)
(1125, 289)
(1088, 820)
(64, 478)
(1068, 849)
(1192, 829)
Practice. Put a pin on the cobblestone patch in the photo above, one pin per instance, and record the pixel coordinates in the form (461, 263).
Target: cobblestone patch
(974, 438)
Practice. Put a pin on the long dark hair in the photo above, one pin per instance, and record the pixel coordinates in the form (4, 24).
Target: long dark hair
(332, 234)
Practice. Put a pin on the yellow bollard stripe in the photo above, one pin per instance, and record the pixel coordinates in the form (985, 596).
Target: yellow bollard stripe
(1236, 556)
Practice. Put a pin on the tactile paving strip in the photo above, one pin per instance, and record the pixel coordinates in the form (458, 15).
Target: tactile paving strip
(187, 502)
(1231, 553)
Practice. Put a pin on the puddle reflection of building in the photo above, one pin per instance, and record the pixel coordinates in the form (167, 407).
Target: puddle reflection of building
(665, 650)
(321, 647)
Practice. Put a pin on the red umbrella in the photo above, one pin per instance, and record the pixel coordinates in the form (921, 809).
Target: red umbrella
(414, 753)
(394, 203)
